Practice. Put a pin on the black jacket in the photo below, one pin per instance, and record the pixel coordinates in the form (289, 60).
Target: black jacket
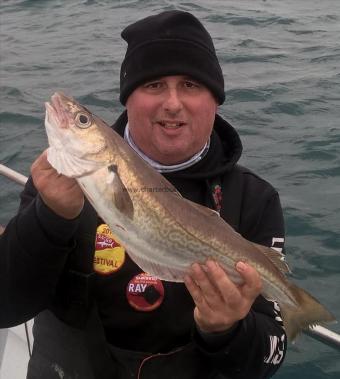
(47, 271)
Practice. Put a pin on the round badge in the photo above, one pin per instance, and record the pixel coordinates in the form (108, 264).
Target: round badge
(109, 255)
(145, 292)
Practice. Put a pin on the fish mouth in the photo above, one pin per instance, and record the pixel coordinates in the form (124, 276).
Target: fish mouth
(56, 110)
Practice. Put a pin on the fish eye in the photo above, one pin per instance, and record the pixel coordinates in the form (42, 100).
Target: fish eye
(83, 120)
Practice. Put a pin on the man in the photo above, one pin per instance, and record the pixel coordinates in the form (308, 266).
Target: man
(108, 319)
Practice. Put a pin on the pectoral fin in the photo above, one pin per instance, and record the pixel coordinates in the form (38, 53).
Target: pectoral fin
(121, 197)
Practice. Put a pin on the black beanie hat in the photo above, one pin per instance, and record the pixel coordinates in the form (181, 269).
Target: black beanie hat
(169, 43)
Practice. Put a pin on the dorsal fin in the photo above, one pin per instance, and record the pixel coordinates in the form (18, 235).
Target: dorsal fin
(277, 258)
(206, 212)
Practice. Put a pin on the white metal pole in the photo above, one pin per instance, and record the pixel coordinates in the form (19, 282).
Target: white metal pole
(318, 332)
(324, 335)
(13, 175)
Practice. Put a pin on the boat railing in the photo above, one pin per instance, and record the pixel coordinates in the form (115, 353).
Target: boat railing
(317, 332)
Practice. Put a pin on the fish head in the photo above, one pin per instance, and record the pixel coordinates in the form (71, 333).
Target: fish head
(77, 138)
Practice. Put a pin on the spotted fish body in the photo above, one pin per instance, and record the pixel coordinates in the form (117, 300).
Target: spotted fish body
(162, 232)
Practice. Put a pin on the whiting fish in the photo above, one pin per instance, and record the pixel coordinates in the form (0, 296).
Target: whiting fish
(163, 232)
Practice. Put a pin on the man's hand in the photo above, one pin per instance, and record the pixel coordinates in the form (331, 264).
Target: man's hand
(219, 302)
(61, 194)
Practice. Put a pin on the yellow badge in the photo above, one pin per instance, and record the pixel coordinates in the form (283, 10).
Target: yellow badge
(109, 255)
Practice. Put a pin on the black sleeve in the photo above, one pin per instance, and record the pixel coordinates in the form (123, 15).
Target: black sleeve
(255, 348)
(262, 218)
(33, 251)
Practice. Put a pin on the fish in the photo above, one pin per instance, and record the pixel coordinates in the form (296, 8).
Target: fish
(163, 232)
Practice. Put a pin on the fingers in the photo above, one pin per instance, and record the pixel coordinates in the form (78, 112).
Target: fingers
(202, 290)
(41, 162)
(204, 312)
(42, 171)
(252, 286)
(215, 284)
(60, 193)
(45, 176)
(42, 159)
(219, 301)
(221, 281)
(202, 275)
(194, 290)
(209, 284)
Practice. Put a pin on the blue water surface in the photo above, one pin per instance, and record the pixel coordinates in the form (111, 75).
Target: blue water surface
(281, 62)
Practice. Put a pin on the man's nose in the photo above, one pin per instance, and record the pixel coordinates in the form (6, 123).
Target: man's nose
(173, 102)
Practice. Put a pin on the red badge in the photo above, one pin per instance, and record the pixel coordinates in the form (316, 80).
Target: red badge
(217, 196)
(145, 292)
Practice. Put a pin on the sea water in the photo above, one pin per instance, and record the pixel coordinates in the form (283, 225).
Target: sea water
(281, 63)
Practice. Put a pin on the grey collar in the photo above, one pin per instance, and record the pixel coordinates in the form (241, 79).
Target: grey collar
(164, 168)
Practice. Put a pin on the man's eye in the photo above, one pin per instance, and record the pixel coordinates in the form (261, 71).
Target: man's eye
(153, 85)
(190, 84)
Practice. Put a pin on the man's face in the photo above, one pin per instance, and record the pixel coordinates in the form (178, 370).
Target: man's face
(171, 118)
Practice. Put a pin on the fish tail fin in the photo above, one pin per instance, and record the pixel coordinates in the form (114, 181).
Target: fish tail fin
(308, 312)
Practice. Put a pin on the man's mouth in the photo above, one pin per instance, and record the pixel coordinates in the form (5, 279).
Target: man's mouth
(171, 124)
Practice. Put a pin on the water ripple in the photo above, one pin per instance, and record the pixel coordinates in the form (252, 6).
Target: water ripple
(281, 66)
(250, 21)
(293, 109)
(327, 58)
(248, 95)
(262, 58)
(18, 118)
